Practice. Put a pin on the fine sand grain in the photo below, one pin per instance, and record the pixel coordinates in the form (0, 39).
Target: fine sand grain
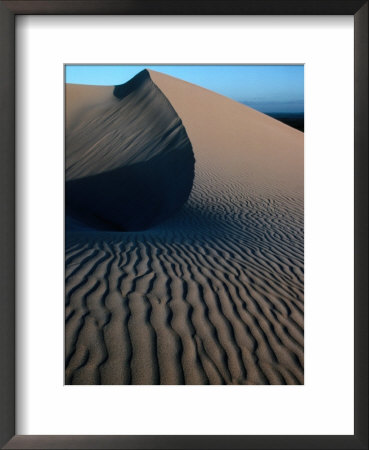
(215, 293)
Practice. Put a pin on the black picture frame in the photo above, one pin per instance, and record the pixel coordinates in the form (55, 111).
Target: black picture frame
(8, 11)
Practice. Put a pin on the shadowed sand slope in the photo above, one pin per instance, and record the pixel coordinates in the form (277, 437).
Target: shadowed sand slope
(129, 162)
(213, 295)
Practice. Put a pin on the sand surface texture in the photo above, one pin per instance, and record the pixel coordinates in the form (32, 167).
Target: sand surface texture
(215, 293)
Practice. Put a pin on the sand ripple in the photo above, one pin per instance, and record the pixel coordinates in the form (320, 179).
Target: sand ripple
(213, 296)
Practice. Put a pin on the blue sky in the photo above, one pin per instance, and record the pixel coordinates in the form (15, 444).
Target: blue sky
(268, 88)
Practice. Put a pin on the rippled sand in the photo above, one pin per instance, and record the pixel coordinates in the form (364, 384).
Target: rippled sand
(215, 294)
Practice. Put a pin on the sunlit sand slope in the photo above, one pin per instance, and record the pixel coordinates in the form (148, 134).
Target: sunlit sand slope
(213, 295)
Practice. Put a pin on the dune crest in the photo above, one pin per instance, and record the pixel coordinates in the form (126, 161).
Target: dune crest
(129, 162)
(245, 143)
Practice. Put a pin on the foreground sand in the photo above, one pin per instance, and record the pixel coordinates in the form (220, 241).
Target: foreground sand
(213, 294)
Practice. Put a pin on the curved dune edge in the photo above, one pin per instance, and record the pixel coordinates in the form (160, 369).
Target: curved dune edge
(245, 143)
(129, 162)
(214, 295)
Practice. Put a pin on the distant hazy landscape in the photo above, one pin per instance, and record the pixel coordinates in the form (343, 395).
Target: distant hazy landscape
(295, 120)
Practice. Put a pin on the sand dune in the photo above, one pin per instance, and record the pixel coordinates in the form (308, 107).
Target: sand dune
(129, 162)
(214, 294)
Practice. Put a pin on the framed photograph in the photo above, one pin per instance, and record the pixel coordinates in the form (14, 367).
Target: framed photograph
(184, 224)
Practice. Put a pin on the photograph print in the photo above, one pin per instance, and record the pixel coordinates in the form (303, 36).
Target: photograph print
(184, 225)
